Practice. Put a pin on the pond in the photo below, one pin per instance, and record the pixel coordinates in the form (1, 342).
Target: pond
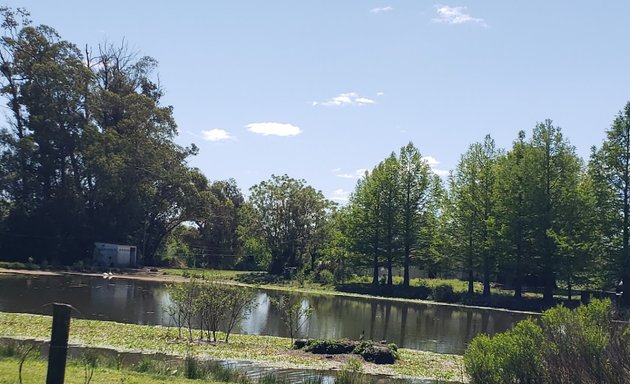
(436, 328)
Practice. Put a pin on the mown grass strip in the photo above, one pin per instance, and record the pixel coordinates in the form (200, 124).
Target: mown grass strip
(34, 371)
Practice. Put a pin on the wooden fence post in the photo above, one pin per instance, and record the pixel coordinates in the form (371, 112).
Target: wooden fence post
(58, 344)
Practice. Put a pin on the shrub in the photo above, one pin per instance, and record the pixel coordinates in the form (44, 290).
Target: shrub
(330, 346)
(444, 293)
(370, 351)
(377, 353)
(325, 277)
(580, 346)
(510, 357)
(300, 343)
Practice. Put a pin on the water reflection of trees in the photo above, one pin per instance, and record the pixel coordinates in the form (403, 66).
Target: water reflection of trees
(413, 325)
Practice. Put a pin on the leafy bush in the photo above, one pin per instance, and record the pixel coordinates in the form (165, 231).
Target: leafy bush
(444, 293)
(580, 346)
(325, 277)
(369, 350)
(510, 357)
(300, 343)
(377, 353)
(330, 346)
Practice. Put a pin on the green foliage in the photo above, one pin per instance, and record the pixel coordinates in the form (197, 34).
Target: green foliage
(35, 372)
(213, 307)
(325, 277)
(369, 350)
(88, 154)
(511, 357)
(286, 220)
(389, 211)
(471, 211)
(89, 359)
(444, 293)
(609, 171)
(294, 314)
(580, 346)
(193, 369)
(377, 353)
(330, 346)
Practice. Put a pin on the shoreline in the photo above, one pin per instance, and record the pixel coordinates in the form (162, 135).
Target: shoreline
(171, 278)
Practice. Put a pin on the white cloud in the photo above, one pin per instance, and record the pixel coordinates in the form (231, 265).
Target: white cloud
(381, 9)
(335, 170)
(344, 99)
(359, 173)
(274, 129)
(440, 172)
(430, 160)
(363, 100)
(340, 196)
(216, 135)
(433, 162)
(380, 93)
(455, 15)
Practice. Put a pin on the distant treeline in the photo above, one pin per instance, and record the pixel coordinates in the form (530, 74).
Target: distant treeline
(87, 155)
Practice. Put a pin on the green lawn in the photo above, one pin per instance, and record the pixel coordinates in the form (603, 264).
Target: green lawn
(34, 371)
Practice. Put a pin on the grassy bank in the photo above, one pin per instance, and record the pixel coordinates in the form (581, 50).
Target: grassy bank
(34, 371)
(272, 351)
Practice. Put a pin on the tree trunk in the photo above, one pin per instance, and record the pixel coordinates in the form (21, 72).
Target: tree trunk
(375, 270)
(406, 267)
(569, 290)
(518, 273)
(471, 288)
(550, 281)
(390, 276)
(486, 277)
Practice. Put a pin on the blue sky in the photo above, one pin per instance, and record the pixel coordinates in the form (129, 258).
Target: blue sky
(322, 89)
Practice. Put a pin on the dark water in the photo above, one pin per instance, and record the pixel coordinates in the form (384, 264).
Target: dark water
(436, 328)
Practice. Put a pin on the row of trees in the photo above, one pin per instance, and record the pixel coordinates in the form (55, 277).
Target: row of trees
(532, 215)
(538, 211)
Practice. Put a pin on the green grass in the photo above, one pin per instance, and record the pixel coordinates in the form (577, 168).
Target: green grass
(266, 349)
(34, 371)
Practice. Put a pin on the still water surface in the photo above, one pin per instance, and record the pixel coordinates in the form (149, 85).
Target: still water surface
(437, 328)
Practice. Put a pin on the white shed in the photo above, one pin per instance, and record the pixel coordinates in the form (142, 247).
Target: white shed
(115, 255)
